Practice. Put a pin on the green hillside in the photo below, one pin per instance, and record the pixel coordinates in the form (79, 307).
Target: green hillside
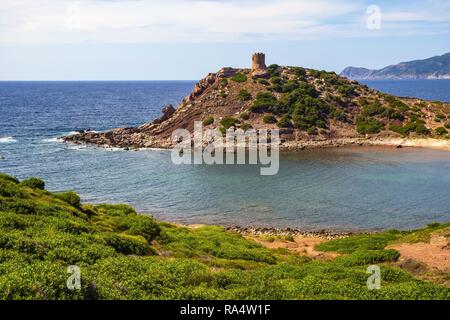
(123, 255)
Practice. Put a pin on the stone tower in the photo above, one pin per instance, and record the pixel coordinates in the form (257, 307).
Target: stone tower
(259, 62)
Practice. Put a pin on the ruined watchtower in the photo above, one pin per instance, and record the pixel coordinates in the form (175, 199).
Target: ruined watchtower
(259, 62)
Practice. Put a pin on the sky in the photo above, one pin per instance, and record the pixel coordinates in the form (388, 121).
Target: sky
(186, 39)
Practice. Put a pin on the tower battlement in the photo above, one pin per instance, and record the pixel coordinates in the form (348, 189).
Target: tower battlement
(259, 62)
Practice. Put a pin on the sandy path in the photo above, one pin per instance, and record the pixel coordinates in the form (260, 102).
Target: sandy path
(435, 254)
(301, 244)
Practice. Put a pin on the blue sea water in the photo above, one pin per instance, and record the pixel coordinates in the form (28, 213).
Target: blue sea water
(341, 189)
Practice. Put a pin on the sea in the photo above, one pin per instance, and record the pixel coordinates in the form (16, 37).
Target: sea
(344, 189)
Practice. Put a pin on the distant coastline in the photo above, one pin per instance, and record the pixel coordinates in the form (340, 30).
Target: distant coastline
(434, 68)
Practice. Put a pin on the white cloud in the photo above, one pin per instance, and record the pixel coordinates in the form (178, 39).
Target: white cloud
(153, 21)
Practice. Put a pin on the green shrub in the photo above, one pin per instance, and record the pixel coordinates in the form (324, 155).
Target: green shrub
(244, 116)
(246, 126)
(368, 257)
(244, 95)
(223, 131)
(276, 80)
(34, 183)
(116, 209)
(6, 177)
(263, 82)
(69, 197)
(346, 90)
(228, 122)
(208, 120)
(417, 126)
(447, 125)
(265, 102)
(285, 122)
(441, 131)
(312, 131)
(376, 241)
(373, 109)
(269, 119)
(224, 82)
(290, 86)
(128, 244)
(298, 71)
(239, 77)
(368, 125)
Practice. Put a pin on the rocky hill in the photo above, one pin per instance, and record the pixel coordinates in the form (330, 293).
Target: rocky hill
(432, 68)
(310, 107)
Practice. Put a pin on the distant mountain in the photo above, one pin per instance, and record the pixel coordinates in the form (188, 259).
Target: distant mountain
(432, 68)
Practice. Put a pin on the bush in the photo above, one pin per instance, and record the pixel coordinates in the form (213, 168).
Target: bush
(269, 119)
(367, 257)
(224, 82)
(285, 122)
(368, 125)
(416, 126)
(290, 86)
(244, 116)
(69, 197)
(34, 183)
(312, 131)
(447, 125)
(265, 101)
(246, 126)
(373, 109)
(244, 95)
(6, 177)
(209, 120)
(263, 82)
(116, 209)
(239, 77)
(441, 131)
(228, 122)
(127, 244)
(338, 114)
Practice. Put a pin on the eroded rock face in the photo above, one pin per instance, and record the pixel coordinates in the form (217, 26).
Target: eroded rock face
(201, 86)
(167, 111)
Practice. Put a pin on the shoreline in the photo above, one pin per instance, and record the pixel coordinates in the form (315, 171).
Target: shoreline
(300, 145)
(258, 231)
(397, 142)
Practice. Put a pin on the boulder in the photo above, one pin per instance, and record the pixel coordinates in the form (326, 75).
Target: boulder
(167, 111)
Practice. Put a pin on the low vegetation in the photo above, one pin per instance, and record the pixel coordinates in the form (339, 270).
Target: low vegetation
(123, 255)
(208, 120)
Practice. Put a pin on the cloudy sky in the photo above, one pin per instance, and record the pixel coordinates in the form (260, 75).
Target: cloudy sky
(185, 39)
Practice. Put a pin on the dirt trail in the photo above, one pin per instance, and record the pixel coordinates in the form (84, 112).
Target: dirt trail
(435, 255)
(301, 244)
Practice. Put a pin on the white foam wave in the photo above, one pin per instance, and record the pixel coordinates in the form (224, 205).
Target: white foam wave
(7, 140)
(54, 139)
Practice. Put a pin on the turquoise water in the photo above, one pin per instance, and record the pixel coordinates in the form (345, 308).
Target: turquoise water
(344, 189)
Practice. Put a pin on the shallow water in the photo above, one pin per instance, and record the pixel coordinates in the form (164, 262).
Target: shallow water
(343, 189)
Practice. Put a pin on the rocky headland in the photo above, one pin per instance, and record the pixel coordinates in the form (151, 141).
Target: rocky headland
(311, 109)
